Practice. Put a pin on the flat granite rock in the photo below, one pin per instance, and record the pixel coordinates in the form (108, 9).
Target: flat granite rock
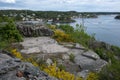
(41, 44)
(91, 54)
(89, 62)
(53, 48)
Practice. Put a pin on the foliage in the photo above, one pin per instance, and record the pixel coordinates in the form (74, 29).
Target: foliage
(72, 57)
(16, 54)
(110, 72)
(78, 34)
(31, 60)
(51, 70)
(4, 19)
(61, 36)
(61, 67)
(92, 76)
(3, 44)
(60, 74)
(116, 50)
(9, 32)
(41, 63)
(19, 55)
(66, 28)
(53, 27)
(80, 28)
(101, 53)
(57, 16)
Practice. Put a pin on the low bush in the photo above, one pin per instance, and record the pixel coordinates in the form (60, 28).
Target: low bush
(110, 72)
(61, 67)
(61, 36)
(8, 34)
(60, 74)
(92, 76)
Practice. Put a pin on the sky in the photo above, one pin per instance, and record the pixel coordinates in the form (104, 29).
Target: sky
(63, 5)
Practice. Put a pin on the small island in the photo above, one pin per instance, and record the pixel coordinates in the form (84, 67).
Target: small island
(117, 17)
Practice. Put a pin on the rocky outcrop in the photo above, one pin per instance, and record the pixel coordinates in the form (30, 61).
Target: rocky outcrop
(48, 49)
(117, 17)
(87, 59)
(15, 69)
(89, 62)
(34, 30)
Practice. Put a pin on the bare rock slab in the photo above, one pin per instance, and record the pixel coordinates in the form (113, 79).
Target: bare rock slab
(90, 61)
(42, 45)
(91, 54)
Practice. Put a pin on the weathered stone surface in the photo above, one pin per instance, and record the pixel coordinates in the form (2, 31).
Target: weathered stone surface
(7, 63)
(31, 50)
(53, 48)
(34, 30)
(71, 67)
(89, 63)
(84, 59)
(75, 52)
(65, 57)
(42, 44)
(83, 73)
(13, 69)
(77, 45)
(84, 62)
(91, 54)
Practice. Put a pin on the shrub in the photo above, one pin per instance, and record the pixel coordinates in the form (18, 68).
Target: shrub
(3, 44)
(17, 54)
(9, 32)
(66, 28)
(61, 36)
(52, 70)
(61, 67)
(92, 76)
(60, 74)
(78, 34)
(53, 27)
(110, 72)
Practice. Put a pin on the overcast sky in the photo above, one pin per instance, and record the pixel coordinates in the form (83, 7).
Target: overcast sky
(63, 5)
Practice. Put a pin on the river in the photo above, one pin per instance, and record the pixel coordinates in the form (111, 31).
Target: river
(105, 28)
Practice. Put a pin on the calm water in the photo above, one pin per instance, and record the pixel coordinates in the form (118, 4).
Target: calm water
(105, 27)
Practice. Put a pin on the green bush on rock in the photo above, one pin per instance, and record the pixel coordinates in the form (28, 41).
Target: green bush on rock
(9, 33)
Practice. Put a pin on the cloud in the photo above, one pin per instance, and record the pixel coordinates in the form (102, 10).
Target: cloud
(64, 5)
(8, 1)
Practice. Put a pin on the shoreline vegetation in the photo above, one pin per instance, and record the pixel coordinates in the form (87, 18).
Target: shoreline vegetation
(66, 33)
(107, 52)
(47, 16)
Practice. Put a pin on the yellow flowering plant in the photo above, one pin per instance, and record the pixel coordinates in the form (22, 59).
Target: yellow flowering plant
(17, 54)
(52, 70)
